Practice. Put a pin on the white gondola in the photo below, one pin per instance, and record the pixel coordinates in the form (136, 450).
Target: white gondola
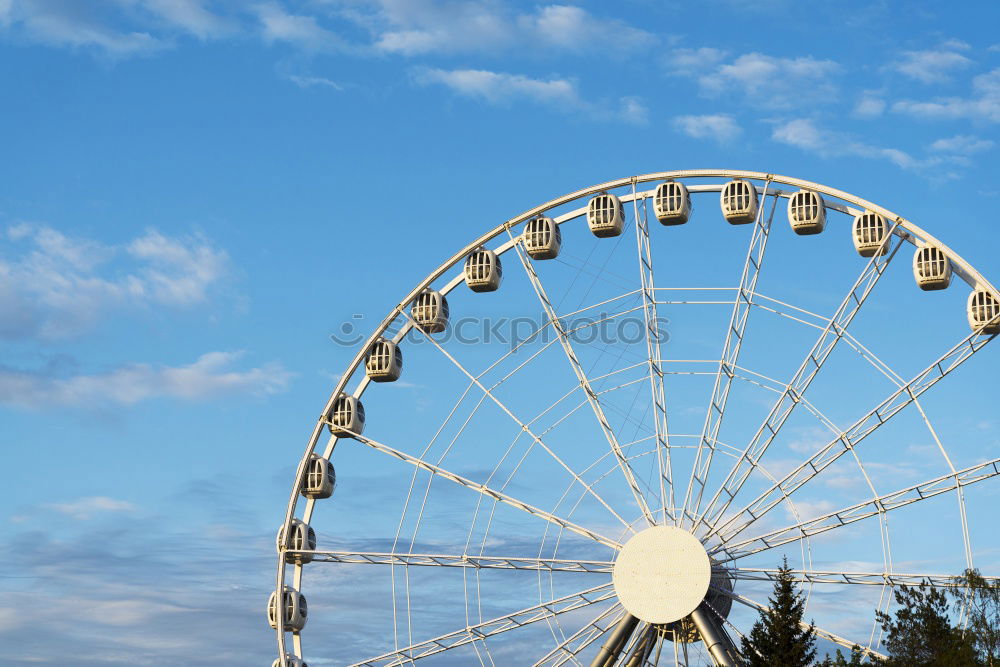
(672, 203)
(290, 661)
(303, 538)
(346, 417)
(931, 268)
(605, 215)
(294, 606)
(483, 272)
(384, 362)
(984, 311)
(542, 238)
(738, 200)
(806, 212)
(430, 311)
(870, 233)
(320, 479)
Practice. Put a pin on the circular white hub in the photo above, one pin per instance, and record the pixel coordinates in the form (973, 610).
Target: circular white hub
(662, 574)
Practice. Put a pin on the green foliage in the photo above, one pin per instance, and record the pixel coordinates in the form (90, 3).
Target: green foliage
(921, 632)
(839, 660)
(981, 601)
(777, 638)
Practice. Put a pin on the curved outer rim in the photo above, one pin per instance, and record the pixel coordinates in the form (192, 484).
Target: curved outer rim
(904, 228)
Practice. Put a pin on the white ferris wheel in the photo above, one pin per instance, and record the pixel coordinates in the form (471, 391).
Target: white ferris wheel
(590, 465)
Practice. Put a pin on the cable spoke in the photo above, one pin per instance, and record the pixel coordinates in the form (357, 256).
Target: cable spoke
(595, 404)
(820, 632)
(523, 426)
(485, 490)
(862, 578)
(853, 436)
(730, 357)
(582, 638)
(805, 374)
(862, 510)
(653, 338)
(494, 626)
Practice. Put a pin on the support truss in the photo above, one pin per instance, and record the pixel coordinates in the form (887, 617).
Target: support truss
(730, 358)
(850, 438)
(803, 377)
(653, 339)
(494, 626)
(859, 578)
(862, 510)
(582, 638)
(466, 561)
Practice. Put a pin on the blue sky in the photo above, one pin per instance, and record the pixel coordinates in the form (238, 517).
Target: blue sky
(197, 193)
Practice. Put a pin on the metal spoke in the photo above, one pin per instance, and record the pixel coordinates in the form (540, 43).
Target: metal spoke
(653, 338)
(466, 561)
(494, 626)
(850, 438)
(485, 490)
(523, 426)
(861, 578)
(582, 638)
(805, 374)
(730, 357)
(820, 632)
(595, 404)
(862, 510)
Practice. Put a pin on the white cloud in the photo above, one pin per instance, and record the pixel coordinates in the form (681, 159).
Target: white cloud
(311, 81)
(934, 66)
(431, 26)
(85, 508)
(766, 81)
(302, 31)
(805, 134)
(718, 127)
(59, 286)
(74, 24)
(982, 105)
(190, 16)
(505, 89)
(963, 144)
(869, 106)
(210, 376)
(692, 62)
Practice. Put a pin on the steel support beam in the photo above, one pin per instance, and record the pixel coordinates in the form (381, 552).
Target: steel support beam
(612, 648)
(714, 636)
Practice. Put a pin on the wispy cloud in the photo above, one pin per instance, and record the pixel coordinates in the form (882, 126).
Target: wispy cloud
(300, 30)
(765, 81)
(73, 24)
(932, 66)
(870, 105)
(718, 127)
(983, 104)
(504, 89)
(962, 144)
(210, 376)
(303, 81)
(803, 133)
(85, 508)
(57, 286)
(413, 28)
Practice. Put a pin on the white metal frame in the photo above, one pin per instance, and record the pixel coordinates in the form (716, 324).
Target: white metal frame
(713, 522)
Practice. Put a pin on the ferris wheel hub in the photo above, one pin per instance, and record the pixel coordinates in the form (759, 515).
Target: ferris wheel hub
(662, 574)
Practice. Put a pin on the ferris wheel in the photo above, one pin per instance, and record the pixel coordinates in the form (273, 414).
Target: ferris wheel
(582, 464)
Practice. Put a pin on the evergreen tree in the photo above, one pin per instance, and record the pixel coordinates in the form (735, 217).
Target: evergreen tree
(856, 659)
(921, 632)
(981, 601)
(777, 638)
